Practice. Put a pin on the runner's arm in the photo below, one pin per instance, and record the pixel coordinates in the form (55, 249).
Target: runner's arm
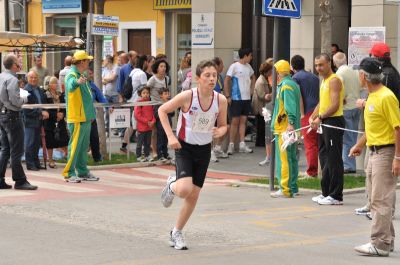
(222, 116)
(182, 100)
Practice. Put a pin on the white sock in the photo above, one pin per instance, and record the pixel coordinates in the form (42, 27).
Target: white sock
(242, 143)
(174, 230)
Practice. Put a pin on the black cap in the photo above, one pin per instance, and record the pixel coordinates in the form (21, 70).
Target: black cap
(371, 65)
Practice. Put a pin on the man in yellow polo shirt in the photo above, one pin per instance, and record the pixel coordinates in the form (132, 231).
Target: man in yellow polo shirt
(382, 136)
(329, 111)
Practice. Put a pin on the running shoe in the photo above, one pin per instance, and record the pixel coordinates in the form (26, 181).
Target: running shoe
(177, 241)
(167, 196)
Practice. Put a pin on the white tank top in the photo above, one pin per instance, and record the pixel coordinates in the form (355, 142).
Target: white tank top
(195, 125)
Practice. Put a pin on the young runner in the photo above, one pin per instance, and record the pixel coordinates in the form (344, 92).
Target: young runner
(199, 109)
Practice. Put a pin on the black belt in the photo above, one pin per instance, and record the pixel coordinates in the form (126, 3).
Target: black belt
(375, 148)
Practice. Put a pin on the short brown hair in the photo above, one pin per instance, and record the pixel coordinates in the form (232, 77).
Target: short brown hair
(265, 67)
(203, 64)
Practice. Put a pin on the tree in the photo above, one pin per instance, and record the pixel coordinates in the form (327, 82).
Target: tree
(98, 48)
(326, 25)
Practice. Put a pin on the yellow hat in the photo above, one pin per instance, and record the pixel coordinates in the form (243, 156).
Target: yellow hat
(282, 66)
(82, 55)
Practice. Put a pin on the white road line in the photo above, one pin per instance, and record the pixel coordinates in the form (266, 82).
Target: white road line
(71, 187)
(14, 193)
(109, 173)
(155, 170)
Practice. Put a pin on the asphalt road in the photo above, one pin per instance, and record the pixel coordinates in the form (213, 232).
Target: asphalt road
(120, 220)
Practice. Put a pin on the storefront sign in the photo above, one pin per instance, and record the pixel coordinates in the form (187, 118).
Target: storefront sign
(361, 40)
(120, 118)
(172, 4)
(105, 25)
(202, 30)
(61, 6)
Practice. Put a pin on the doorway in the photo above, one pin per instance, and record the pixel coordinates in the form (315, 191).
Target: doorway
(139, 40)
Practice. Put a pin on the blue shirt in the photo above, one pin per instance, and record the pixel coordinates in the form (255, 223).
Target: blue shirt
(124, 72)
(219, 86)
(309, 87)
(97, 95)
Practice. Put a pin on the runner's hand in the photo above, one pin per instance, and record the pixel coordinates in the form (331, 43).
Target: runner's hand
(396, 167)
(218, 132)
(174, 143)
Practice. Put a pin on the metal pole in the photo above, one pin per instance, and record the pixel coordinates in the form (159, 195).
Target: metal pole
(274, 84)
(89, 26)
(109, 138)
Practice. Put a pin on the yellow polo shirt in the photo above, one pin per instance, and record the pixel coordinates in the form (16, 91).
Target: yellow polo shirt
(381, 116)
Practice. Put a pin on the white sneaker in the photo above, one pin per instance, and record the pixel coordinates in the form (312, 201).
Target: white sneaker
(370, 250)
(329, 201)
(177, 241)
(278, 194)
(213, 157)
(265, 161)
(231, 148)
(317, 198)
(362, 211)
(243, 148)
(222, 155)
(167, 196)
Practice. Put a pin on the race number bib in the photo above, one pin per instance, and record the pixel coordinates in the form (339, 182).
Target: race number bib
(203, 122)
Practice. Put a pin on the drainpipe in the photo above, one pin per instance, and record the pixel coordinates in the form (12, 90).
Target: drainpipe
(25, 6)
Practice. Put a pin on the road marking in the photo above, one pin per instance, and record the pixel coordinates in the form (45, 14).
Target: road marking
(261, 212)
(106, 173)
(14, 193)
(65, 188)
(129, 185)
(160, 171)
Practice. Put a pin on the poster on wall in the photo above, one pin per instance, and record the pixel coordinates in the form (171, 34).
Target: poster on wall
(108, 48)
(361, 40)
(61, 6)
(203, 30)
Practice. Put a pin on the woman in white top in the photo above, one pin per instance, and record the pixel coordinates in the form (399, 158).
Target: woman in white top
(156, 82)
(199, 109)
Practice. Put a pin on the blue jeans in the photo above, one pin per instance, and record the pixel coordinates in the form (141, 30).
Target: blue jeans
(352, 118)
(32, 143)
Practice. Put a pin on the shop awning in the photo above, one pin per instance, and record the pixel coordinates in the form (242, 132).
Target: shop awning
(12, 40)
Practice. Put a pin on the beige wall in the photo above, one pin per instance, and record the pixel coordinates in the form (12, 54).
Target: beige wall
(2, 16)
(306, 32)
(228, 29)
(378, 13)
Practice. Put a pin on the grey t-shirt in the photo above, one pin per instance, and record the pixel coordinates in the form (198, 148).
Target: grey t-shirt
(155, 85)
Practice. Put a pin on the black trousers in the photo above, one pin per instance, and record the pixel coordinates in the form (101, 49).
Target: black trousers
(94, 142)
(12, 145)
(144, 140)
(260, 136)
(330, 146)
(162, 141)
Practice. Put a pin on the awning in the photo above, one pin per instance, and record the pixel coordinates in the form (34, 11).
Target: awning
(12, 40)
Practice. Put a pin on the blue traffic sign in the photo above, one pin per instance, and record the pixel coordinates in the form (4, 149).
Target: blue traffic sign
(282, 8)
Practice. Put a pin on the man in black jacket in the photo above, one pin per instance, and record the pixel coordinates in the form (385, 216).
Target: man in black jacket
(391, 79)
(33, 122)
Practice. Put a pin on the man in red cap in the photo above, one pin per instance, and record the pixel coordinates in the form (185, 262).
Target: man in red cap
(381, 51)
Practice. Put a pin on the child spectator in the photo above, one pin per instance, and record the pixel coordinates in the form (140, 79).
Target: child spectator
(144, 116)
(162, 140)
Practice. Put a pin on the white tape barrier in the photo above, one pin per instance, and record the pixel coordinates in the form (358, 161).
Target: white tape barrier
(97, 105)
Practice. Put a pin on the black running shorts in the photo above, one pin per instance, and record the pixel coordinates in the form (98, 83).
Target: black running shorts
(192, 161)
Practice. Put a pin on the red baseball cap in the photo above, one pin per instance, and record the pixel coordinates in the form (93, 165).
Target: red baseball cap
(380, 50)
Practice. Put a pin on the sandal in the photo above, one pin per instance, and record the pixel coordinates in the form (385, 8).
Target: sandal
(52, 164)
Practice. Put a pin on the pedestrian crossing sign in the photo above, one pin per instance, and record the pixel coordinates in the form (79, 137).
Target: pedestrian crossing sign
(282, 8)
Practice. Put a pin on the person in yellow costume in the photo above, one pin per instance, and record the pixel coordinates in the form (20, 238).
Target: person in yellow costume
(286, 118)
(80, 114)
